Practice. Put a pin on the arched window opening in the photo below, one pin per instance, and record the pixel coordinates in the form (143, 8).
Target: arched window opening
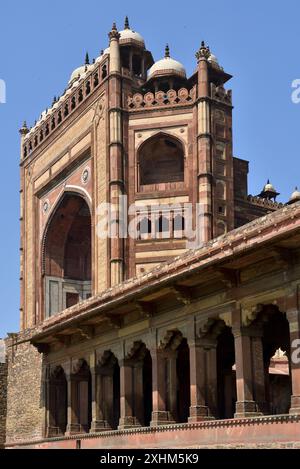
(221, 228)
(163, 227)
(161, 161)
(221, 190)
(125, 58)
(178, 226)
(104, 72)
(67, 256)
(137, 65)
(145, 228)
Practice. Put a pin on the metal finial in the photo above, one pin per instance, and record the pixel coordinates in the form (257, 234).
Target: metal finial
(87, 59)
(167, 51)
(126, 26)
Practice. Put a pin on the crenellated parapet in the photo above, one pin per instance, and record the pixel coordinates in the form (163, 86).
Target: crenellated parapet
(219, 93)
(74, 97)
(161, 99)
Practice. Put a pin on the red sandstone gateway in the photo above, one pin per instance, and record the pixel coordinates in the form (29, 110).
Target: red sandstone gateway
(142, 342)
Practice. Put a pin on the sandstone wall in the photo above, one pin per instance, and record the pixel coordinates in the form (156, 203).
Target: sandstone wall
(24, 392)
(3, 406)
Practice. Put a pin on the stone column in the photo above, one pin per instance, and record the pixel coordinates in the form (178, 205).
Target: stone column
(116, 171)
(127, 419)
(73, 424)
(245, 406)
(293, 316)
(204, 144)
(160, 414)
(199, 409)
(99, 422)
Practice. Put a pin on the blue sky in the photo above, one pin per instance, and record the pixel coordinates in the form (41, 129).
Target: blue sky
(41, 43)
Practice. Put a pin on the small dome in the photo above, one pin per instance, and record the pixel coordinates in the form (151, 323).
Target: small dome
(167, 66)
(213, 59)
(77, 72)
(295, 195)
(269, 187)
(128, 36)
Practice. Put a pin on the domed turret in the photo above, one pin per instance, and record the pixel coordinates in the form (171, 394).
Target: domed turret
(213, 60)
(295, 197)
(80, 70)
(128, 36)
(167, 67)
(269, 192)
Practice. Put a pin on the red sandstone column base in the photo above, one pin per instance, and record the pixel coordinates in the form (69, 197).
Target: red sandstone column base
(246, 409)
(75, 429)
(199, 413)
(100, 426)
(161, 417)
(52, 432)
(295, 405)
(128, 422)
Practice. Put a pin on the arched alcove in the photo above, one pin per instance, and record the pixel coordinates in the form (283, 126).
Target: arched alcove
(67, 255)
(161, 161)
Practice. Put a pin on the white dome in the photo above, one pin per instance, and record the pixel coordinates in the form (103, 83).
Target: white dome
(295, 195)
(167, 66)
(269, 188)
(77, 72)
(213, 59)
(127, 35)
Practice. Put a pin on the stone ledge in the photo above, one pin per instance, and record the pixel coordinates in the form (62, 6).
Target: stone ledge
(241, 422)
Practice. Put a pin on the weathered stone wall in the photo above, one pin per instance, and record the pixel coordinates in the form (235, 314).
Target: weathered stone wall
(3, 401)
(24, 391)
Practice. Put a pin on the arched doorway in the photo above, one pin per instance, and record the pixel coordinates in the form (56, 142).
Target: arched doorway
(67, 255)
(140, 362)
(218, 366)
(107, 396)
(57, 403)
(275, 335)
(177, 371)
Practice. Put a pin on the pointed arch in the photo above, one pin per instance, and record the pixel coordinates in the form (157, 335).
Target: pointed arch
(66, 255)
(161, 160)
